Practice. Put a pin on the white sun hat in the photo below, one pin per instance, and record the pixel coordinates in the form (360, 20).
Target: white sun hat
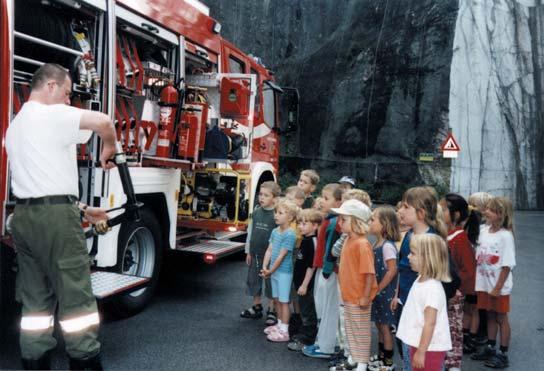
(354, 208)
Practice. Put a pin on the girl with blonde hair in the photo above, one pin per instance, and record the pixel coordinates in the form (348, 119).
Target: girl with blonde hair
(278, 266)
(495, 259)
(419, 211)
(385, 226)
(424, 324)
(357, 279)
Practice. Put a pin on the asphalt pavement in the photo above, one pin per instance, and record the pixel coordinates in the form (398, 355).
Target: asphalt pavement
(193, 321)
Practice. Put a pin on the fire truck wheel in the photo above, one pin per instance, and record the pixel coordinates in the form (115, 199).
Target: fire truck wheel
(139, 254)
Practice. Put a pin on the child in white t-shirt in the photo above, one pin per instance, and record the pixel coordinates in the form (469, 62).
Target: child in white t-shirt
(495, 259)
(424, 324)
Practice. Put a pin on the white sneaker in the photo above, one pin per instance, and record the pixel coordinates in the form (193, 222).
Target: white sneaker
(375, 365)
(374, 360)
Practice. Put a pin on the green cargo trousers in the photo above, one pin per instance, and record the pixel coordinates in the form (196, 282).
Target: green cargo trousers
(54, 275)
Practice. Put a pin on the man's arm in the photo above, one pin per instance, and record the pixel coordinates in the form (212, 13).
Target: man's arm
(103, 126)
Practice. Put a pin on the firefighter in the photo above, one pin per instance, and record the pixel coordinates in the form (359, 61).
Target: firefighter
(54, 265)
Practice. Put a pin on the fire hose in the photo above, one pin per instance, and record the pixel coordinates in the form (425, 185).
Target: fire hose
(131, 207)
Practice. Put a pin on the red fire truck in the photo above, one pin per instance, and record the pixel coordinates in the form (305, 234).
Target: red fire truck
(196, 118)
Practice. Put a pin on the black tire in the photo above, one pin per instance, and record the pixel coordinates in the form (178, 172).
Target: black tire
(140, 254)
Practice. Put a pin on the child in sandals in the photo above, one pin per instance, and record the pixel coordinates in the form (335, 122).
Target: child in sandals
(260, 228)
(278, 266)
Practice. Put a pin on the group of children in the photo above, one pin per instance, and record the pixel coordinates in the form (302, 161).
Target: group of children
(435, 266)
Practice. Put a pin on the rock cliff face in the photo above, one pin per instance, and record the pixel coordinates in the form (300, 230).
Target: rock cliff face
(496, 99)
(373, 77)
(374, 80)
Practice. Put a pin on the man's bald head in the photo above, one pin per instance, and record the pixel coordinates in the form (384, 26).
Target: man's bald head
(48, 72)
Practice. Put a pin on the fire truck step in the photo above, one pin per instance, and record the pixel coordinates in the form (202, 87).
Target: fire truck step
(187, 235)
(226, 235)
(212, 249)
(107, 284)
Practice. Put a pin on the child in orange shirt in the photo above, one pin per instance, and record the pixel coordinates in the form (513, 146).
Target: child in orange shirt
(357, 278)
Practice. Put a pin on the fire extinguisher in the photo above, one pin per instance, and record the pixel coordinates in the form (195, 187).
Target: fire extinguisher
(169, 101)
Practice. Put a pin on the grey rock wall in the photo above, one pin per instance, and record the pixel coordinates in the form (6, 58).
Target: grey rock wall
(373, 76)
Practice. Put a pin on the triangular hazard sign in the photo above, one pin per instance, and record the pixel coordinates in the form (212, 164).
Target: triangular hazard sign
(450, 144)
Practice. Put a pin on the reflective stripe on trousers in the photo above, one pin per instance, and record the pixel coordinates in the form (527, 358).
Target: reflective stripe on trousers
(80, 323)
(36, 323)
(54, 277)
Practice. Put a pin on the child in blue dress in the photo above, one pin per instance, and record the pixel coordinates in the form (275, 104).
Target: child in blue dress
(385, 226)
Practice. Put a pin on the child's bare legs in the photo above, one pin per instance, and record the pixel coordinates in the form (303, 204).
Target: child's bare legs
(504, 324)
(492, 325)
(272, 305)
(471, 318)
(257, 300)
(474, 318)
(380, 340)
(385, 336)
(380, 337)
(471, 324)
(467, 315)
(283, 312)
(276, 307)
(496, 321)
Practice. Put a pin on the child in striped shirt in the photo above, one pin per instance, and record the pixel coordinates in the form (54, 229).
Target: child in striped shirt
(357, 279)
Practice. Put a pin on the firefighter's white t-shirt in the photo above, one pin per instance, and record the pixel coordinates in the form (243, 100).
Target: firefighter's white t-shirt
(41, 145)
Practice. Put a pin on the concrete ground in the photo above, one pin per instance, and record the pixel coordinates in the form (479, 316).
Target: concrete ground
(193, 322)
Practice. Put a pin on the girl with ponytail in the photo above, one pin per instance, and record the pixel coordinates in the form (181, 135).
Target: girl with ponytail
(462, 226)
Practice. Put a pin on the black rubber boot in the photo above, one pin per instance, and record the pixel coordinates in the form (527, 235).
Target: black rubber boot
(43, 363)
(92, 363)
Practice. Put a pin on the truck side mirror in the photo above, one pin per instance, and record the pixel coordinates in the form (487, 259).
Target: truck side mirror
(289, 109)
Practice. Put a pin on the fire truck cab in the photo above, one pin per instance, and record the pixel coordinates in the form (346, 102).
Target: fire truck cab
(198, 120)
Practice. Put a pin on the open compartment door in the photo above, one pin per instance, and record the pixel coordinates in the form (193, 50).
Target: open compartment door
(237, 96)
(6, 72)
(230, 127)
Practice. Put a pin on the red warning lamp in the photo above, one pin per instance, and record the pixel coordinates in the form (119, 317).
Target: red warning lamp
(209, 258)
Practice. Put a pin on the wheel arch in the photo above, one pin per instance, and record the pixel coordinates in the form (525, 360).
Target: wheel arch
(156, 203)
(260, 173)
